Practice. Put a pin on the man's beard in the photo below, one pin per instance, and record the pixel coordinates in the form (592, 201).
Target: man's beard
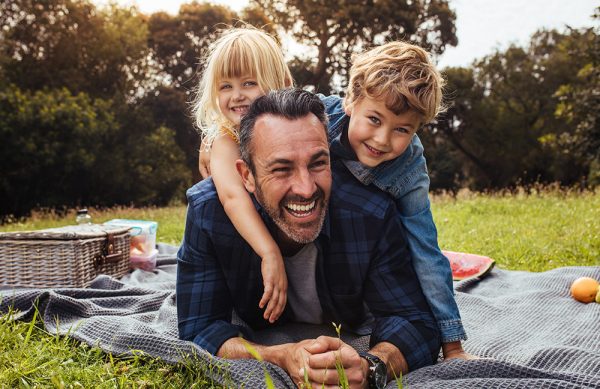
(278, 216)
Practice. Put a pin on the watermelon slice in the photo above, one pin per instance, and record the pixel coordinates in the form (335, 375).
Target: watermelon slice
(465, 265)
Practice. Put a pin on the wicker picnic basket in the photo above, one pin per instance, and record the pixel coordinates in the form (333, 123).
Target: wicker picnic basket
(68, 257)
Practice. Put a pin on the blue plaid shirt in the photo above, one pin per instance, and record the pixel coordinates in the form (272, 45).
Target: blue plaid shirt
(363, 258)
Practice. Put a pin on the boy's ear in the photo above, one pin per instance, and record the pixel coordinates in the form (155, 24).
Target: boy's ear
(246, 174)
(348, 108)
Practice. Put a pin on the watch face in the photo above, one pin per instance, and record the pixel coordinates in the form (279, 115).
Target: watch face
(377, 371)
(380, 375)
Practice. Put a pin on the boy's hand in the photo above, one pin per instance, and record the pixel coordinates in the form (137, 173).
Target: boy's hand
(275, 282)
(204, 160)
(454, 350)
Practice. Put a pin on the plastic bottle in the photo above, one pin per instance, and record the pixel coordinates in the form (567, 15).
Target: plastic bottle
(83, 217)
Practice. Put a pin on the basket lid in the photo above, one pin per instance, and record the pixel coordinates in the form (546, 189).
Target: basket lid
(65, 233)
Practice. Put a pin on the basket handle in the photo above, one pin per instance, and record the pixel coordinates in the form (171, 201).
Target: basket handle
(109, 254)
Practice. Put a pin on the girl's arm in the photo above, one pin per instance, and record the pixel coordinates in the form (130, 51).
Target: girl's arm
(204, 159)
(242, 213)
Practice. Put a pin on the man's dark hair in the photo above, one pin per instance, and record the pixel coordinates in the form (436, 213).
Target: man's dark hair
(291, 103)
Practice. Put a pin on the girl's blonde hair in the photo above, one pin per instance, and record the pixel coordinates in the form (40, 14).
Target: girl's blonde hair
(238, 52)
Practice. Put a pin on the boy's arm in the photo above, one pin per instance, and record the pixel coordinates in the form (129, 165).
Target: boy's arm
(242, 213)
(432, 267)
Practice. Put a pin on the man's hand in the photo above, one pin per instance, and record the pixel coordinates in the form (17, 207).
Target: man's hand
(275, 283)
(204, 160)
(295, 359)
(454, 350)
(325, 352)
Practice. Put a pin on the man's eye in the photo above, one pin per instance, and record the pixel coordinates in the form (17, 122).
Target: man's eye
(280, 170)
(319, 164)
(374, 120)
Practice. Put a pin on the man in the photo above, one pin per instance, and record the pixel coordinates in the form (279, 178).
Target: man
(344, 248)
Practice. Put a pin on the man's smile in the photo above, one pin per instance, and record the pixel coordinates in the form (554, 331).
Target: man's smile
(300, 210)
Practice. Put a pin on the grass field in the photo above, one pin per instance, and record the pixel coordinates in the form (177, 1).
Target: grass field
(533, 232)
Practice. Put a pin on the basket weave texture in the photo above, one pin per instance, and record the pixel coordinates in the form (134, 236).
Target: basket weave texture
(66, 257)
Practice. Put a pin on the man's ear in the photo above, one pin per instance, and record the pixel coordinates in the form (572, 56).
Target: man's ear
(246, 174)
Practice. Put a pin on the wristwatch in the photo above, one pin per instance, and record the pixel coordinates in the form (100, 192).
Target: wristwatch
(377, 376)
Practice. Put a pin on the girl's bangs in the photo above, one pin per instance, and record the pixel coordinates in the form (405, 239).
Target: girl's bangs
(236, 61)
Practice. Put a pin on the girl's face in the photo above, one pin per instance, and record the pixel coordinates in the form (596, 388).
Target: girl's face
(235, 96)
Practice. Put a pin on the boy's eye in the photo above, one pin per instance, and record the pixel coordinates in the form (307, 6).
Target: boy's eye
(402, 130)
(374, 120)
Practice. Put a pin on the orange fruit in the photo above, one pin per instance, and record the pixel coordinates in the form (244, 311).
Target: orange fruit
(584, 289)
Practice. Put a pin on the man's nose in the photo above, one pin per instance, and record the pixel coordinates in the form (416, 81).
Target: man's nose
(304, 184)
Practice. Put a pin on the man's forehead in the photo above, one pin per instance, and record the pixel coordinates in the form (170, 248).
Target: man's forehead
(272, 130)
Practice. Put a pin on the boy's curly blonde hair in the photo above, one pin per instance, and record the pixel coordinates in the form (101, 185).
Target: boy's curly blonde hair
(400, 73)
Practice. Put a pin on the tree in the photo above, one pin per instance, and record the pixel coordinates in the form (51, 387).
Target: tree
(579, 104)
(503, 120)
(337, 29)
(70, 43)
(61, 149)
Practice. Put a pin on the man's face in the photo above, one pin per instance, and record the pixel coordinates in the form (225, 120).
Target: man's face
(292, 178)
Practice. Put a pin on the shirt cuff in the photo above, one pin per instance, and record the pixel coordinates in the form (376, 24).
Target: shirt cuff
(214, 335)
(420, 347)
(452, 331)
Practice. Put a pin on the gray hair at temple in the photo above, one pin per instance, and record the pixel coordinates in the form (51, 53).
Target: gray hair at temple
(291, 103)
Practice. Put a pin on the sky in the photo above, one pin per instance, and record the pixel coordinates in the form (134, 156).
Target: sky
(483, 26)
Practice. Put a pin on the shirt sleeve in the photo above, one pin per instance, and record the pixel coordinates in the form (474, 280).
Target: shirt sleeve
(204, 305)
(394, 296)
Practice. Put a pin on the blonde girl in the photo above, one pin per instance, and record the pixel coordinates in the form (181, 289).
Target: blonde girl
(244, 64)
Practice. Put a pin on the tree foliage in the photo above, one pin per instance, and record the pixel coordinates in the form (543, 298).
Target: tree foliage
(502, 119)
(69, 43)
(337, 29)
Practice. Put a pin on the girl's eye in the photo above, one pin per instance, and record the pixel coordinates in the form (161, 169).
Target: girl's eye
(374, 120)
(224, 86)
(402, 130)
(250, 83)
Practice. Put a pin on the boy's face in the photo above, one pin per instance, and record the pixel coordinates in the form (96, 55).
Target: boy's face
(235, 96)
(377, 134)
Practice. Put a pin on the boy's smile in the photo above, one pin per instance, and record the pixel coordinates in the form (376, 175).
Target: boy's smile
(377, 134)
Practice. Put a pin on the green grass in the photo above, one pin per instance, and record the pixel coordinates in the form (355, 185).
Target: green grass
(523, 232)
(535, 232)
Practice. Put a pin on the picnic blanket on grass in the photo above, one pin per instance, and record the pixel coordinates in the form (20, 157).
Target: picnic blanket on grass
(532, 332)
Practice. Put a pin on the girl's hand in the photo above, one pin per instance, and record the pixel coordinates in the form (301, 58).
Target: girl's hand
(204, 160)
(275, 283)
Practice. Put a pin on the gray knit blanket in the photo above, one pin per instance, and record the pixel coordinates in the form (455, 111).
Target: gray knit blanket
(529, 332)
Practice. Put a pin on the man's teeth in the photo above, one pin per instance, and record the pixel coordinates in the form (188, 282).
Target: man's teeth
(301, 208)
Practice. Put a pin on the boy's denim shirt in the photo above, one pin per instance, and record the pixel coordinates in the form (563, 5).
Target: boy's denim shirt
(405, 178)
